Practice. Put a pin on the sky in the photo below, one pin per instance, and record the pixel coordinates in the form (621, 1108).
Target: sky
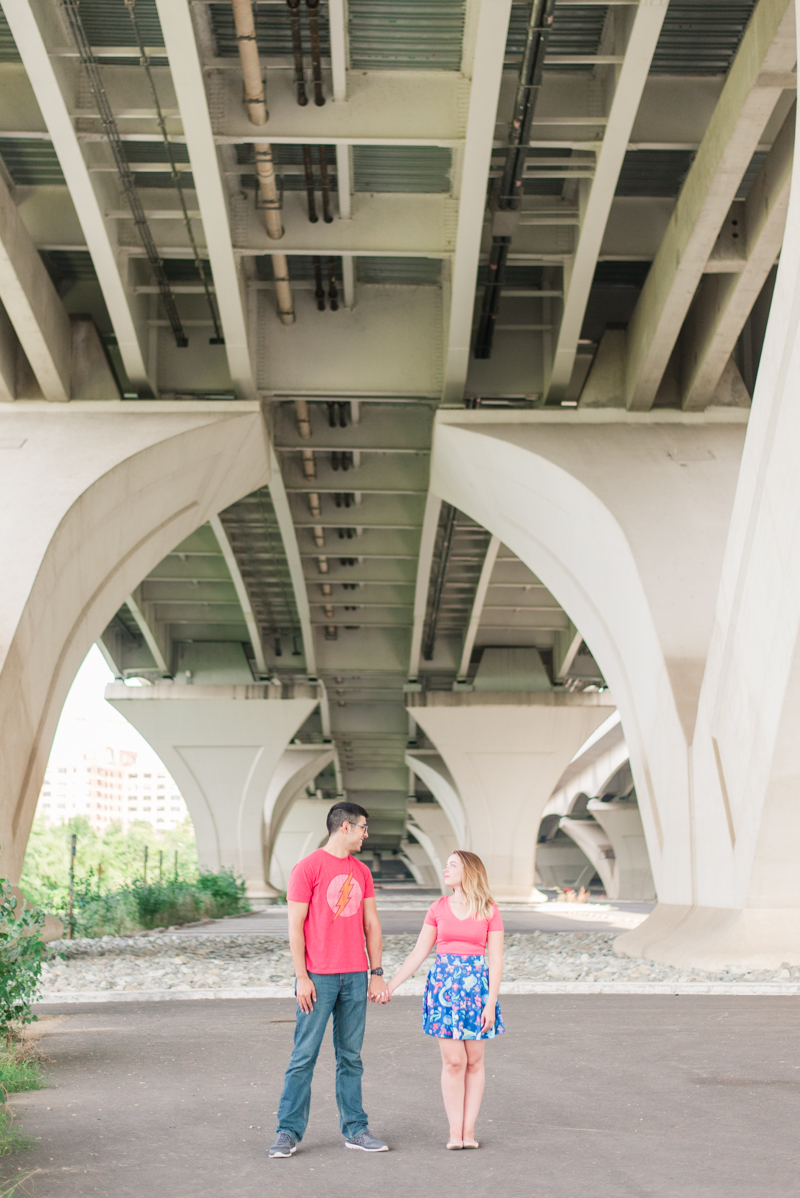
(88, 724)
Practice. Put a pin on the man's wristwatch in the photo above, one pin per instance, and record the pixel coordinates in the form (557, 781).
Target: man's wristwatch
(378, 973)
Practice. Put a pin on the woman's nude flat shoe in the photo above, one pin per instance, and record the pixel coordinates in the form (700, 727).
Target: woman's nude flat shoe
(470, 1144)
(451, 1144)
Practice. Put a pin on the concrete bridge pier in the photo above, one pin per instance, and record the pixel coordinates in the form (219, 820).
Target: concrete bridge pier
(506, 751)
(298, 766)
(224, 746)
(92, 497)
(744, 906)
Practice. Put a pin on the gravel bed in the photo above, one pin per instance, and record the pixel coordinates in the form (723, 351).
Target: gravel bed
(172, 961)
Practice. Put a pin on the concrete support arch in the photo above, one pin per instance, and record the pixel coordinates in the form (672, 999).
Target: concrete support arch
(298, 766)
(746, 759)
(223, 746)
(603, 507)
(303, 830)
(505, 752)
(92, 496)
(431, 768)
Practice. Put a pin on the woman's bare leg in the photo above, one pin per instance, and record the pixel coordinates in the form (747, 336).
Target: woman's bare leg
(474, 1081)
(454, 1068)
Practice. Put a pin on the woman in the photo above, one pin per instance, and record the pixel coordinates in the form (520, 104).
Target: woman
(460, 1005)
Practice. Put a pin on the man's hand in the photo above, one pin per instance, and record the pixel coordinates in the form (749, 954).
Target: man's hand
(378, 990)
(306, 995)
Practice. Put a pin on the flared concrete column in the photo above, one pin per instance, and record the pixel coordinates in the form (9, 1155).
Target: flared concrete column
(92, 497)
(418, 862)
(430, 825)
(449, 820)
(621, 823)
(222, 745)
(624, 517)
(591, 839)
(298, 766)
(744, 907)
(506, 751)
(303, 830)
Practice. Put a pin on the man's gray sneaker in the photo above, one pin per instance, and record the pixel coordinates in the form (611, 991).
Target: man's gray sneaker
(366, 1143)
(284, 1145)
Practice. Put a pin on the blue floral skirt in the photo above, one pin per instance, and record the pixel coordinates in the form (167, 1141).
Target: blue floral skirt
(455, 995)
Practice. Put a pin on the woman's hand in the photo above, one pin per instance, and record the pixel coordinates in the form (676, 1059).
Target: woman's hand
(488, 1017)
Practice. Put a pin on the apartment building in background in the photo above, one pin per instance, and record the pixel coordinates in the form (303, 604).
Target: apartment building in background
(110, 786)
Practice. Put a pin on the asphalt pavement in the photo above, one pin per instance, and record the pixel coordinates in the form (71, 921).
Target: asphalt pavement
(625, 1096)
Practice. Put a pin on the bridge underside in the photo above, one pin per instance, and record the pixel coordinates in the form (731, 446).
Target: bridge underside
(387, 376)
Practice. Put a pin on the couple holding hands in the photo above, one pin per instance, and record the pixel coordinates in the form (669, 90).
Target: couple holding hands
(332, 917)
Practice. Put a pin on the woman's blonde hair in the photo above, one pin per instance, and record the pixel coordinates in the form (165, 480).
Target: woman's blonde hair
(475, 885)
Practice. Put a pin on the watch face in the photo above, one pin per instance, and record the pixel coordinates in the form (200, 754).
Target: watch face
(377, 972)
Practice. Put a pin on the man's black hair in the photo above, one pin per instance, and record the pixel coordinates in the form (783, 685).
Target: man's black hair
(340, 812)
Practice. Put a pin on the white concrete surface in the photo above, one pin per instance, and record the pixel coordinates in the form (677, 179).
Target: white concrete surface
(296, 769)
(744, 904)
(631, 875)
(303, 830)
(506, 752)
(222, 745)
(431, 826)
(593, 842)
(92, 497)
(432, 769)
(602, 507)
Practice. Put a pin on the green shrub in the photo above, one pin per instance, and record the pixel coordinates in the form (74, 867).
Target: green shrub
(145, 905)
(111, 897)
(161, 904)
(21, 953)
(110, 913)
(224, 893)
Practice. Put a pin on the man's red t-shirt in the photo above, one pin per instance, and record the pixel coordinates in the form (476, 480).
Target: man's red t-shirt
(335, 889)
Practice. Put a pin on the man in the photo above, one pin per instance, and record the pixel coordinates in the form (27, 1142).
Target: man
(332, 912)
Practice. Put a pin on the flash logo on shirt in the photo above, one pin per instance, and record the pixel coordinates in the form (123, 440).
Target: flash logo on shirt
(344, 895)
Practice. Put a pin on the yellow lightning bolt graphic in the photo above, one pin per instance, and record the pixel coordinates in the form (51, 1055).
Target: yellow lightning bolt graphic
(344, 895)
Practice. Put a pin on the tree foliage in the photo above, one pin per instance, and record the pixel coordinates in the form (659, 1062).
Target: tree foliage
(111, 859)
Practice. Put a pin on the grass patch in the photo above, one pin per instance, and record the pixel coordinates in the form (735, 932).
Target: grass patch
(11, 1139)
(20, 1071)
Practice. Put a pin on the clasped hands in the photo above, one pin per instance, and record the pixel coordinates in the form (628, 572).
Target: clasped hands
(379, 991)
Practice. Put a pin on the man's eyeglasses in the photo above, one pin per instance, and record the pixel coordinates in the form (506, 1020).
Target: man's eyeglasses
(364, 826)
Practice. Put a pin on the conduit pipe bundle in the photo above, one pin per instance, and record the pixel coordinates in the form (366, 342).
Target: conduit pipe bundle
(265, 167)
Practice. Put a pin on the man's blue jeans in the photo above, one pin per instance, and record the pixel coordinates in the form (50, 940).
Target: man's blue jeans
(343, 995)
